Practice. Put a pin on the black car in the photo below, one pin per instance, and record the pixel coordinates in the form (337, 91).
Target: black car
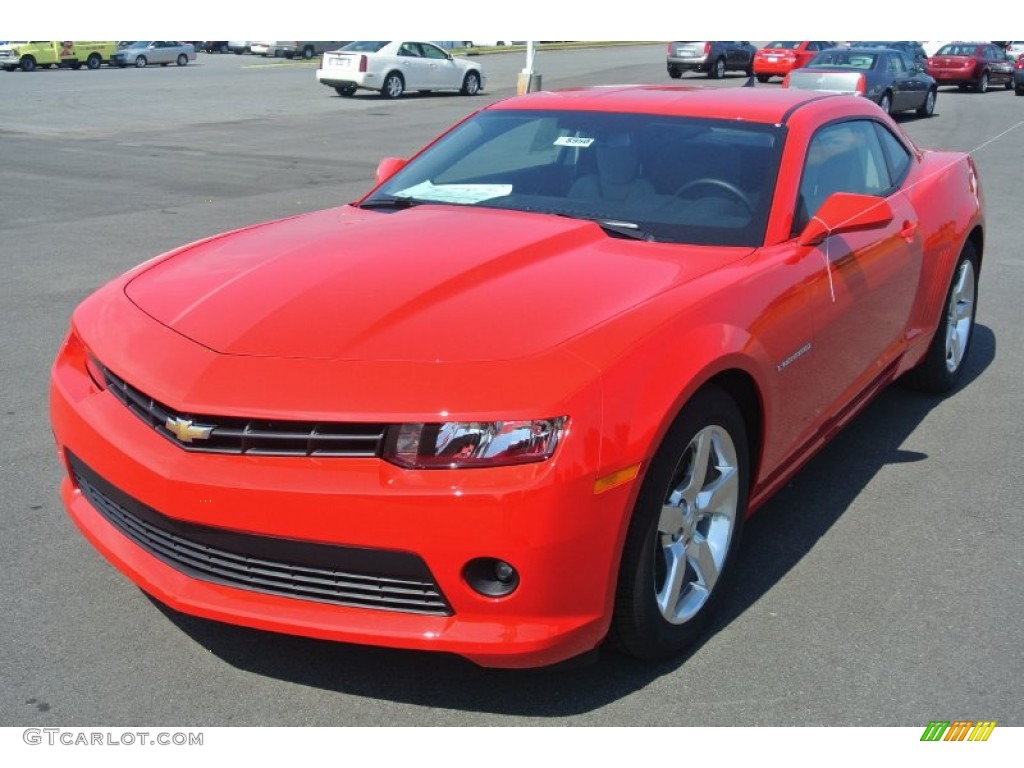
(714, 57)
(886, 76)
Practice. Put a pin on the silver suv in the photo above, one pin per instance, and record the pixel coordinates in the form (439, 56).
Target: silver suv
(715, 57)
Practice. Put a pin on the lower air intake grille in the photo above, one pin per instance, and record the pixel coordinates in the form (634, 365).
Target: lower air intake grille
(351, 576)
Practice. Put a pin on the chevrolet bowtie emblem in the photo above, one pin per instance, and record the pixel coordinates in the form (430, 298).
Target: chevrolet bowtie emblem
(186, 431)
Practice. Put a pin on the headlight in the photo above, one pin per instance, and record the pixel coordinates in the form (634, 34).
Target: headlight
(458, 445)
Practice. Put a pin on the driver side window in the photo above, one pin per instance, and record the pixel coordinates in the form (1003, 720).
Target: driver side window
(842, 157)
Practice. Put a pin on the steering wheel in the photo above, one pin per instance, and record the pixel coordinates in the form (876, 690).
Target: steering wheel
(735, 191)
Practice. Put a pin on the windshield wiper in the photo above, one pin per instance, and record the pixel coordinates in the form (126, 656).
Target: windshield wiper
(396, 203)
(616, 227)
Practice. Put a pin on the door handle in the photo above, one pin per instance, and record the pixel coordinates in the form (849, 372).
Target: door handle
(908, 231)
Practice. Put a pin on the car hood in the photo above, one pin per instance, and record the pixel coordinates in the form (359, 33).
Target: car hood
(431, 283)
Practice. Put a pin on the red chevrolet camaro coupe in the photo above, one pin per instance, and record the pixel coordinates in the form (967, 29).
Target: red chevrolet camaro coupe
(518, 400)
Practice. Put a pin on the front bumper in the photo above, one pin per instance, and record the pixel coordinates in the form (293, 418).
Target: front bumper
(545, 519)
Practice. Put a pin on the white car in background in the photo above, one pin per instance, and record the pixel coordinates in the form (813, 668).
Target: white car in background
(394, 67)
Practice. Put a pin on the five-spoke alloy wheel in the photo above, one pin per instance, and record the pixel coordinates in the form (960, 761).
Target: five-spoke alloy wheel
(685, 529)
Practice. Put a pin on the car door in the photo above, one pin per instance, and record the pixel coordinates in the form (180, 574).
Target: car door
(863, 294)
(905, 87)
(161, 52)
(415, 69)
(444, 72)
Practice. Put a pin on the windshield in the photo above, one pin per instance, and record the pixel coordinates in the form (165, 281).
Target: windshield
(668, 179)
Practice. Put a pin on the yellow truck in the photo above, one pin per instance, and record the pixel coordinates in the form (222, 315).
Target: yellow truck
(30, 54)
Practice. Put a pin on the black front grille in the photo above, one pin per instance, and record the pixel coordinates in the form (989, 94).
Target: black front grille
(351, 576)
(219, 434)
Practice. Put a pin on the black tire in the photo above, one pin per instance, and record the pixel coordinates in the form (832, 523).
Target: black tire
(982, 86)
(763, 78)
(927, 109)
(471, 84)
(28, 64)
(717, 69)
(94, 61)
(674, 72)
(182, 59)
(393, 86)
(307, 52)
(885, 102)
(140, 61)
(345, 90)
(942, 364)
(669, 531)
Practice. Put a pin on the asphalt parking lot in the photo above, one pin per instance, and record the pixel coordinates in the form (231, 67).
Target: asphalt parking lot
(881, 587)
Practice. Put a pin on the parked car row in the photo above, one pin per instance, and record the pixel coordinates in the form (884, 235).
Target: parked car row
(898, 75)
(29, 55)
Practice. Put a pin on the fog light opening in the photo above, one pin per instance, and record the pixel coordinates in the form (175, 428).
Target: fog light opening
(491, 577)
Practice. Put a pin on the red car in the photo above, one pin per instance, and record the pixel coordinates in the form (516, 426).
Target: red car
(520, 398)
(780, 57)
(971, 65)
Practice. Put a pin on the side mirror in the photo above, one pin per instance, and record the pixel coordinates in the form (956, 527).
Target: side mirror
(388, 167)
(846, 212)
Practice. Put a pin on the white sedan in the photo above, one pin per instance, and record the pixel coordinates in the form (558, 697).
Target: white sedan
(396, 67)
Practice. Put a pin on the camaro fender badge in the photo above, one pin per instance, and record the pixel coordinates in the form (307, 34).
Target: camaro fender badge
(799, 353)
(185, 430)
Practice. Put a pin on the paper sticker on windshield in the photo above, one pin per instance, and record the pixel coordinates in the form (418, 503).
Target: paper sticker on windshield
(573, 141)
(464, 194)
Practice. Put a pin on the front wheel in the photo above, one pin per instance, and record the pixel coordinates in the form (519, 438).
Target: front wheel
(928, 108)
(182, 59)
(94, 61)
(27, 63)
(940, 369)
(471, 84)
(393, 86)
(307, 53)
(685, 530)
(140, 61)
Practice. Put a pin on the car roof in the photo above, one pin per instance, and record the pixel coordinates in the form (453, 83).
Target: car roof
(762, 105)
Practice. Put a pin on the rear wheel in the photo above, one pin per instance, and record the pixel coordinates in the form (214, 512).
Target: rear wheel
(717, 70)
(886, 103)
(345, 90)
(982, 85)
(928, 108)
(685, 530)
(940, 369)
(394, 86)
(182, 59)
(674, 72)
(307, 52)
(763, 78)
